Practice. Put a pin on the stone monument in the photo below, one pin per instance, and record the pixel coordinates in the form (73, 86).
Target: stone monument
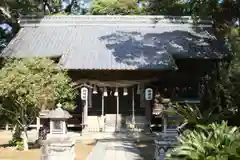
(58, 145)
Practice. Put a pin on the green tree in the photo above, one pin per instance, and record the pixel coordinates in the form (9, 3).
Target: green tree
(114, 7)
(224, 86)
(3, 39)
(168, 7)
(11, 9)
(29, 85)
(212, 142)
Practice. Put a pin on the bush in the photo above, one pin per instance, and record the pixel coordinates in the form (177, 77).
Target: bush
(16, 140)
(114, 7)
(212, 142)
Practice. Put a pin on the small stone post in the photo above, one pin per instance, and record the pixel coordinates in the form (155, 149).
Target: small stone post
(58, 145)
(162, 154)
(6, 127)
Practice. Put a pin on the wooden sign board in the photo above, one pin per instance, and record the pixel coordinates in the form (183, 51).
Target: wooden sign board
(84, 93)
(148, 94)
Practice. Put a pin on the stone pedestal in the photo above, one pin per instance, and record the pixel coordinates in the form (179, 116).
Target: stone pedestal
(162, 145)
(56, 149)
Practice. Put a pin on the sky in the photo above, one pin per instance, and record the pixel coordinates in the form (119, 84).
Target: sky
(6, 27)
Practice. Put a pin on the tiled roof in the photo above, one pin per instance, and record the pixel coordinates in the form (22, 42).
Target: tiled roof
(114, 42)
(39, 41)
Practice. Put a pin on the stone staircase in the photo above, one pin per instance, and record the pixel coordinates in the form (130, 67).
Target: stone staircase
(112, 123)
(95, 124)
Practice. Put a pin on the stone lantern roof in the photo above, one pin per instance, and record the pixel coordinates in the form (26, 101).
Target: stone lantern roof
(58, 113)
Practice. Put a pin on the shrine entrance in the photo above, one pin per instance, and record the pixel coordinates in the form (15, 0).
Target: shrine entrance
(111, 113)
(115, 106)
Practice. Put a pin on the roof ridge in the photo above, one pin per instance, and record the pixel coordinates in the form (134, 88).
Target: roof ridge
(108, 20)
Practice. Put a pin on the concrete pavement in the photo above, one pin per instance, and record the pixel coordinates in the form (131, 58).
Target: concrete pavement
(115, 150)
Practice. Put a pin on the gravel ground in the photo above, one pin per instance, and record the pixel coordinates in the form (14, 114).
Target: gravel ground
(82, 149)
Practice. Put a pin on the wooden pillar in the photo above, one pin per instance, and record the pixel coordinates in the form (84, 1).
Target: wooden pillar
(133, 107)
(86, 113)
(117, 113)
(85, 97)
(38, 123)
(145, 104)
(102, 105)
(86, 105)
(164, 125)
(102, 125)
(51, 126)
(90, 93)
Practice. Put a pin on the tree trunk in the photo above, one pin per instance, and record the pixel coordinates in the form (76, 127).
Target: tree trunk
(25, 139)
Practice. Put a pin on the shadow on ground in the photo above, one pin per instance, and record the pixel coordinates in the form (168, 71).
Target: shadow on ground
(146, 149)
(30, 145)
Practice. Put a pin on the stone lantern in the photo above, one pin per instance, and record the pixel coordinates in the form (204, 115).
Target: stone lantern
(58, 144)
(58, 118)
(167, 140)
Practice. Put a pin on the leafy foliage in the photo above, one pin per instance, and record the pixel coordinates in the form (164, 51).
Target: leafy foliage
(35, 81)
(12, 9)
(192, 115)
(212, 142)
(169, 7)
(114, 7)
(5, 35)
(223, 90)
(3, 39)
(29, 85)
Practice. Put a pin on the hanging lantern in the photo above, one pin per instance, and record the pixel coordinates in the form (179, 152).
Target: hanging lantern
(95, 89)
(125, 91)
(105, 93)
(116, 92)
(138, 89)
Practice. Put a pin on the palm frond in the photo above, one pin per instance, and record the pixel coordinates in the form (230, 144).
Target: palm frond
(209, 142)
